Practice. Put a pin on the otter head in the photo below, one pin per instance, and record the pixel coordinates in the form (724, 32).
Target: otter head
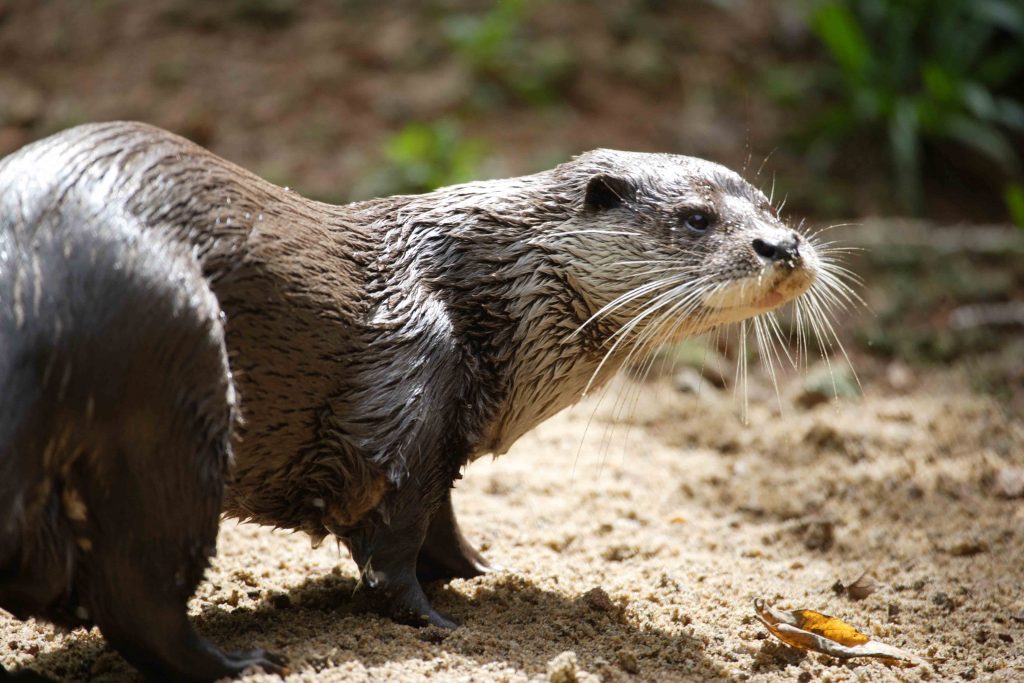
(689, 245)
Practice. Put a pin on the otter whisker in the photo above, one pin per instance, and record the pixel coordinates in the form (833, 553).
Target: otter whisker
(823, 229)
(837, 294)
(635, 293)
(826, 321)
(659, 303)
(656, 301)
(764, 352)
(623, 299)
(645, 342)
(764, 162)
(659, 261)
(832, 271)
(741, 371)
(587, 231)
(801, 333)
(620, 335)
(776, 331)
(656, 271)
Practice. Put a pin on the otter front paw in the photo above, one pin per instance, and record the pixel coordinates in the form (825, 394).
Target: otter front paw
(401, 598)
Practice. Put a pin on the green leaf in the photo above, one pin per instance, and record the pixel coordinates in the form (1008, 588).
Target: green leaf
(837, 27)
(1014, 196)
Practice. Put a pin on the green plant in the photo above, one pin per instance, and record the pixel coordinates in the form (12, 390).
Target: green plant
(503, 59)
(1014, 196)
(921, 72)
(422, 157)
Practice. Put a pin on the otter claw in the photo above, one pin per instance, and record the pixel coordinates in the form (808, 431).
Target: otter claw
(259, 659)
(405, 602)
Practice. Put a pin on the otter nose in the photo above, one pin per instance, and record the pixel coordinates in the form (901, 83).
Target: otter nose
(783, 250)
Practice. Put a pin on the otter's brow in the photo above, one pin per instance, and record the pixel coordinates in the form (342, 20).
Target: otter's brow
(737, 187)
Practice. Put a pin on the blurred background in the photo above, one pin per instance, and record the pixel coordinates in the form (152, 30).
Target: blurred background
(852, 111)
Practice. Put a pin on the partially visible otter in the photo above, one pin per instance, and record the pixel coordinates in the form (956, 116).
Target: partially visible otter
(167, 318)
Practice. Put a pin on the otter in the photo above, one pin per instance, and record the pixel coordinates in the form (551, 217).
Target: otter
(180, 338)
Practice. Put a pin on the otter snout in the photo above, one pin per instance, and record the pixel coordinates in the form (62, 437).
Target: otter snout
(781, 249)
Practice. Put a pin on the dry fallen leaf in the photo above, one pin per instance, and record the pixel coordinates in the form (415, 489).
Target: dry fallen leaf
(808, 630)
(862, 587)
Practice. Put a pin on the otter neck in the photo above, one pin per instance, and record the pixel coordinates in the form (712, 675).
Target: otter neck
(489, 273)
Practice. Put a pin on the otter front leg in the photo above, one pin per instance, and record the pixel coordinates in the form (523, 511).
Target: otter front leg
(446, 554)
(386, 554)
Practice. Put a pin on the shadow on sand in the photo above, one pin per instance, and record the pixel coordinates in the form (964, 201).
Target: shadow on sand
(509, 623)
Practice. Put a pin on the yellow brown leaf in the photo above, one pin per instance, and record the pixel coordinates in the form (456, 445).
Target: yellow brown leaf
(809, 630)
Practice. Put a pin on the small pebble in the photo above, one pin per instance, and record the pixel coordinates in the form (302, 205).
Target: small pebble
(562, 669)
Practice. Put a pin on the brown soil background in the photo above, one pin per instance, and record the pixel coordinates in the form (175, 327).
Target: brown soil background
(638, 531)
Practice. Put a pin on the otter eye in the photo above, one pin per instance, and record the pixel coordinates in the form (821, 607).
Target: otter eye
(697, 222)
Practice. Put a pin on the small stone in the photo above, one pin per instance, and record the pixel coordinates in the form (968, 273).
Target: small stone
(562, 669)
(434, 634)
(1009, 483)
(893, 611)
(827, 382)
(819, 535)
(899, 376)
(627, 661)
(943, 601)
(967, 547)
(619, 553)
(597, 599)
(246, 577)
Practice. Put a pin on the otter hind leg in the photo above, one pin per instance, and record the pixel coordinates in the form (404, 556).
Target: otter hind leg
(446, 554)
(165, 647)
(136, 578)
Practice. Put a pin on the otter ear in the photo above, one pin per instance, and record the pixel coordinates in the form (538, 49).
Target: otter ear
(607, 192)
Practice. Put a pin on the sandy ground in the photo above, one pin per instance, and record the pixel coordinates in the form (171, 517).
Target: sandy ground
(638, 546)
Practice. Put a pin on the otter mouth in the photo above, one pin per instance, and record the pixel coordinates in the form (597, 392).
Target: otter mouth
(770, 301)
(753, 295)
